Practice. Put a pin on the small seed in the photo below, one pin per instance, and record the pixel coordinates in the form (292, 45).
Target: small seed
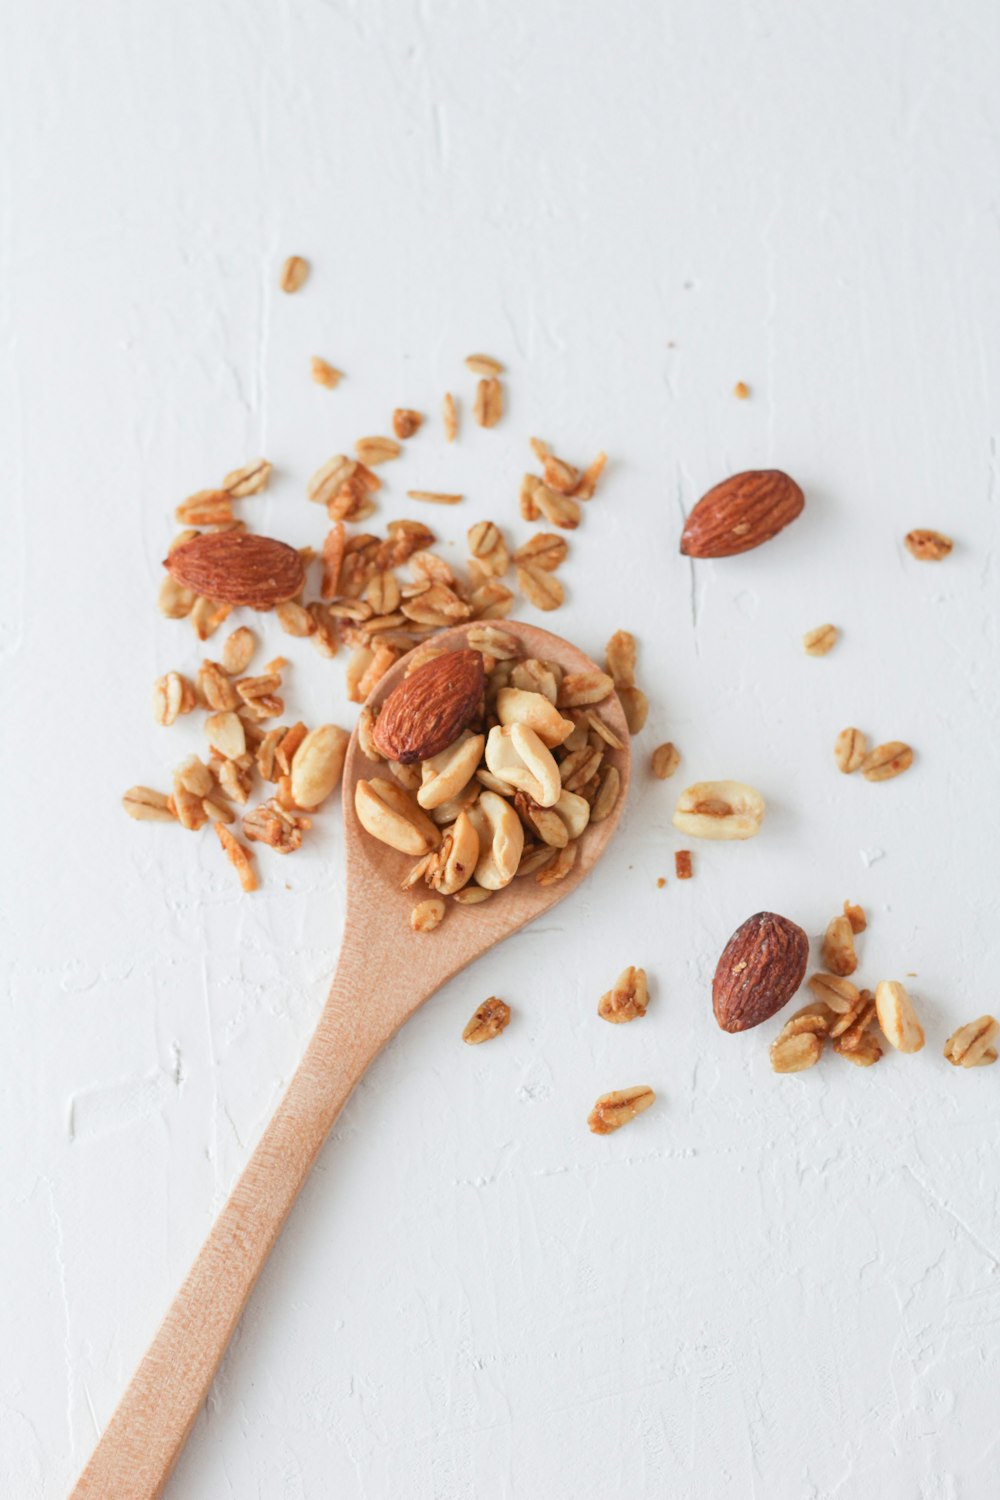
(560, 867)
(971, 1046)
(666, 759)
(616, 1109)
(239, 857)
(635, 706)
(483, 364)
(580, 689)
(620, 655)
(838, 947)
(488, 405)
(238, 650)
(628, 999)
(607, 794)
(324, 373)
(326, 483)
(172, 695)
(856, 916)
(250, 480)
(928, 546)
(406, 422)
(472, 895)
(866, 1052)
(559, 475)
(226, 734)
(741, 390)
(434, 497)
(377, 450)
(293, 273)
(206, 508)
(897, 1017)
(492, 1017)
(588, 479)
(294, 619)
(540, 588)
(850, 750)
(147, 806)
(544, 550)
(886, 761)
(821, 640)
(427, 915)
(835, 991)
(174, 601)
(796, 1052)
(558, 510)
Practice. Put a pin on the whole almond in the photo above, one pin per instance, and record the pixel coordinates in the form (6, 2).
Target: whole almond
(429, 709)
(761, 967)
(740, 513)
(236, 567)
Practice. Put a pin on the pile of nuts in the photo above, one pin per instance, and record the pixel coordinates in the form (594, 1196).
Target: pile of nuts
(495, 765)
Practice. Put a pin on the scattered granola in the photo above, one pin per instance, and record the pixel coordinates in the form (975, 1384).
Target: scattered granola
(325, 374)
(249, 480)
(427, 915)
(628, 998)
(483, 364)
(616, 1109)
(971, 1046)
(488, 405)
(293, 273)
(376, 450)
(450, 416)
(886, 761)
(147, 806)
(665, 760)
(239, 857)
(405, 422)
(820, 641)
(928, 546)
(850, 750)
(682, 864)
(838, 947)
(492, 1017)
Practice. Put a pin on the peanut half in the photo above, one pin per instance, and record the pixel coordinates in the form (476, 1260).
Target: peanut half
(719, 810)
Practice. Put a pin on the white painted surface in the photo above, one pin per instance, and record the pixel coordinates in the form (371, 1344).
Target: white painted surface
(777, 1287)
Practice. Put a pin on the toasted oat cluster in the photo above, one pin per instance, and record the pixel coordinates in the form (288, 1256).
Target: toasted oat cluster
(843, 1014)
(494, 765)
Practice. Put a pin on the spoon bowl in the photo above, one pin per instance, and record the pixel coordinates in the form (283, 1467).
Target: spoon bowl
(385, 972)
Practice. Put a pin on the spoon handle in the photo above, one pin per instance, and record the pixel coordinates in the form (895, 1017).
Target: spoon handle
(138, 1449)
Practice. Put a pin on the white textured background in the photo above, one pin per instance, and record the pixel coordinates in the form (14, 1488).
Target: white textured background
(783, 1288)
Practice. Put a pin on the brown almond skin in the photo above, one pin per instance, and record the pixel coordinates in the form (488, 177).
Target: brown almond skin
(430, 708)
(741, 513)
(761, 967)
(238, 567)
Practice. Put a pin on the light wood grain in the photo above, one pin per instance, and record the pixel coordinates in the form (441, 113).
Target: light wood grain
(384, 973)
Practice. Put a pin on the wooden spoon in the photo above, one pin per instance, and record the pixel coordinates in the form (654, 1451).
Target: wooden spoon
(385, 972)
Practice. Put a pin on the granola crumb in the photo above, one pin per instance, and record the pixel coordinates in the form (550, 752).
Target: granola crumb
(325, 374)
(293, 273)
(682, 864)
(741, 390)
